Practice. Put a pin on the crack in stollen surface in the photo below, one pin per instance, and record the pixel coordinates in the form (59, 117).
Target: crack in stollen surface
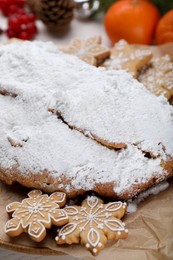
(112, 146)
(4, 92)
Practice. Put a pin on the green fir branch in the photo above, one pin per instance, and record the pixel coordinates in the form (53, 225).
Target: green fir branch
(163, 5)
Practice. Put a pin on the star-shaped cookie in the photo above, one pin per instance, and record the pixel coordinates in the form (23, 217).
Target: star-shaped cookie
(90, 50)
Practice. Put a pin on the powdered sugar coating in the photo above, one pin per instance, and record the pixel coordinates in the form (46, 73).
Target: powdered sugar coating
(53, 146)
(132, 204)
(41, 141)
(117, 109)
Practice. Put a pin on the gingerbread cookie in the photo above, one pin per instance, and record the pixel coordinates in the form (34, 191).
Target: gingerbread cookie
(123, 56)
(93, 224)
(158, 77)
(91, 50)
(58, 108)
(36, 213)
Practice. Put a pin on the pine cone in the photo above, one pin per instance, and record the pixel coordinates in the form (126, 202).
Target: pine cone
(55, 13)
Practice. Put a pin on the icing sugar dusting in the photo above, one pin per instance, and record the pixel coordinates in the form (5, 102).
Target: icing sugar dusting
(32, 139)
(132, 204)
(118, 109)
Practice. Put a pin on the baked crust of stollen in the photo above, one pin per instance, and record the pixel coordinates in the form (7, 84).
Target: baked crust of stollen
(47, 183)
(45, 145)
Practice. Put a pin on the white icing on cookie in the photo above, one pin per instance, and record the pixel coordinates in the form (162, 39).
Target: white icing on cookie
(92, 222)
(36, 213)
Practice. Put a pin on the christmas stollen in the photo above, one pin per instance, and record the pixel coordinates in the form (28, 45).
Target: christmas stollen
(55, 112)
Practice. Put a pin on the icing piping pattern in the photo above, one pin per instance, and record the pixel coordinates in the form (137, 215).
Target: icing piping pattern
(36, 213)
(93, 223)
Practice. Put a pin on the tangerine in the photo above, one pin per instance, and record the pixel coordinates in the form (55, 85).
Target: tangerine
(132, 20)
(164, 30)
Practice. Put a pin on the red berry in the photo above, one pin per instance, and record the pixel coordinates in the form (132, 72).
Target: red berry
(12, 9)
(20, 3)
(5, 10)
(32, 29)
(31, 17)
(13, 22)
(10, 2)
(20, 11)
(21, 26)
(24, 36)
(10, 33)
(15, 10)
(23, 19)
(9, 7)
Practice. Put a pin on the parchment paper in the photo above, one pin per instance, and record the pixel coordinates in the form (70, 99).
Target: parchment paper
(150, 231)
(150, 227)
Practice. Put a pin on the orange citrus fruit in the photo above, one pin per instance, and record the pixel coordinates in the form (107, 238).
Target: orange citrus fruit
(164, 30)
(132, 20)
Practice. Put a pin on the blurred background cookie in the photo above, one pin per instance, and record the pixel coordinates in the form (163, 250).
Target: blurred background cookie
(90, 50)
(158, 77)
(126, 57)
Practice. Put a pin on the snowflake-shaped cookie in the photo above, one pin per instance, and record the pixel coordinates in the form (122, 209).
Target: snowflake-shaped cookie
(36, 213)
(90, 50)
(93, 224)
